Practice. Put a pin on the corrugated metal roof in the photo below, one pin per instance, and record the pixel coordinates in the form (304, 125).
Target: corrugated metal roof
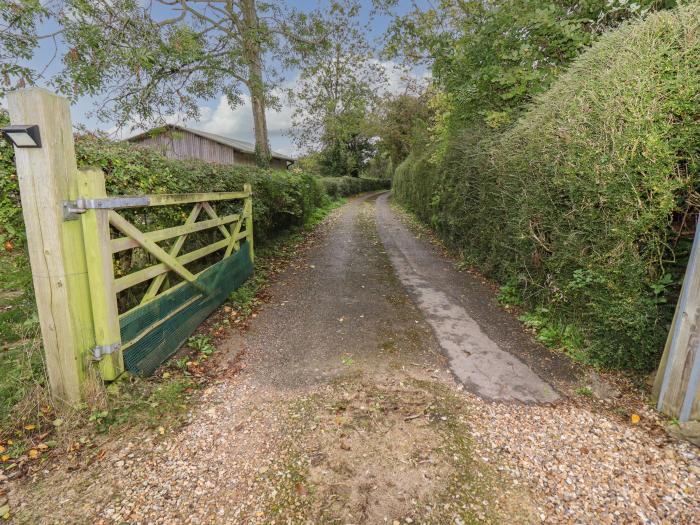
(240, 145)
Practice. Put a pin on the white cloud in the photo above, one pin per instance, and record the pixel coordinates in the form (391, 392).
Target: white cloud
(238, 122)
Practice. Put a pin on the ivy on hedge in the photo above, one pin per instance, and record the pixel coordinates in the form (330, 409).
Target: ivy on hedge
(587, 205)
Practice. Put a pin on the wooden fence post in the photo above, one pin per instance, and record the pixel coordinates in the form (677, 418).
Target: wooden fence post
(47, 177)
(248, 212)
(677, 387)
(103, 297)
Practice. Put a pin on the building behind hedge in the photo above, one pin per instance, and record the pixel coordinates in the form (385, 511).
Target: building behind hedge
(179, 142)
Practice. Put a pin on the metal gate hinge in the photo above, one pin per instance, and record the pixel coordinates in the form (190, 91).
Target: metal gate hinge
(71, 210)
(99, 351)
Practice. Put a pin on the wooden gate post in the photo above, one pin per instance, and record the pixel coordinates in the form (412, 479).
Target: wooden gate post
(103, 297)
(248, 213)
(47, 178)
(677, 387)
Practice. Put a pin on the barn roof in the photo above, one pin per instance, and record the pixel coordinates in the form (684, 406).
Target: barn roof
(240, 145)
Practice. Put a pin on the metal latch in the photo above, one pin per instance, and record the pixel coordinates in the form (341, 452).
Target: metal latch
(99, 351)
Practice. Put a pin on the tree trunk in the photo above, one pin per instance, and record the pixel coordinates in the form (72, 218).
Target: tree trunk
(256, 85)
(262, 146)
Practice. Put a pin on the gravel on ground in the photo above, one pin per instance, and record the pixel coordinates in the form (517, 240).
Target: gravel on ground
(346, 411)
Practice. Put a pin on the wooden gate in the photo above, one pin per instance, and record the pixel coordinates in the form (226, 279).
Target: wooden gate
(166, 301)
(109, 288)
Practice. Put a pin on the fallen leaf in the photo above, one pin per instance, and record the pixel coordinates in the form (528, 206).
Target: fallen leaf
(33, 453)
(634, 418)
(29, 427)
(4, 458)
(42, 446)
(57, 422)
(2, 449)
(161, 430)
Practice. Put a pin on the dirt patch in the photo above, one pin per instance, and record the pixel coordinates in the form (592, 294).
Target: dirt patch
(386, 449)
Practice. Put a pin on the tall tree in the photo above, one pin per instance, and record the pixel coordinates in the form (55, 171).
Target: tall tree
(401, 122)
(491, 57)
(148, 60)
(339, 85)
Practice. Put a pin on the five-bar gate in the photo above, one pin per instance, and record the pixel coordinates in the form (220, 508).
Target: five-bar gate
(171, 300)
(109, 287)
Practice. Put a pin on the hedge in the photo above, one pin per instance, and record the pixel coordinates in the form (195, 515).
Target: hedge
(282, 198)
(585, 209)
(337, 187)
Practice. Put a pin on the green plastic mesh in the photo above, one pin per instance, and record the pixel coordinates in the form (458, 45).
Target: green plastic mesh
(191, 302)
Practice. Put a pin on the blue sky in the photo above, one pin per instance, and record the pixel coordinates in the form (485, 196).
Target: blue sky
(216, 115)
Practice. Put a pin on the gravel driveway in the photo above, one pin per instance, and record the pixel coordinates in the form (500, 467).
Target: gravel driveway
(356, 406)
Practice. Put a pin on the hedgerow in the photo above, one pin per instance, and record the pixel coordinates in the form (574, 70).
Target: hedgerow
(337, 187)
(282, 198)
(587, 205)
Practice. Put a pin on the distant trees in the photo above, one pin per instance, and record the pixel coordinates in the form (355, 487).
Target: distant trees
(401, 122)
(339, 86)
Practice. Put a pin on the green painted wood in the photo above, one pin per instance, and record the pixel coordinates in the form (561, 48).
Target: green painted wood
(154, 331)
(212, 214)
(124, 226)
(156, 283)
(248, 213)
(149, 273)
(103, 299)
(164, 199)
